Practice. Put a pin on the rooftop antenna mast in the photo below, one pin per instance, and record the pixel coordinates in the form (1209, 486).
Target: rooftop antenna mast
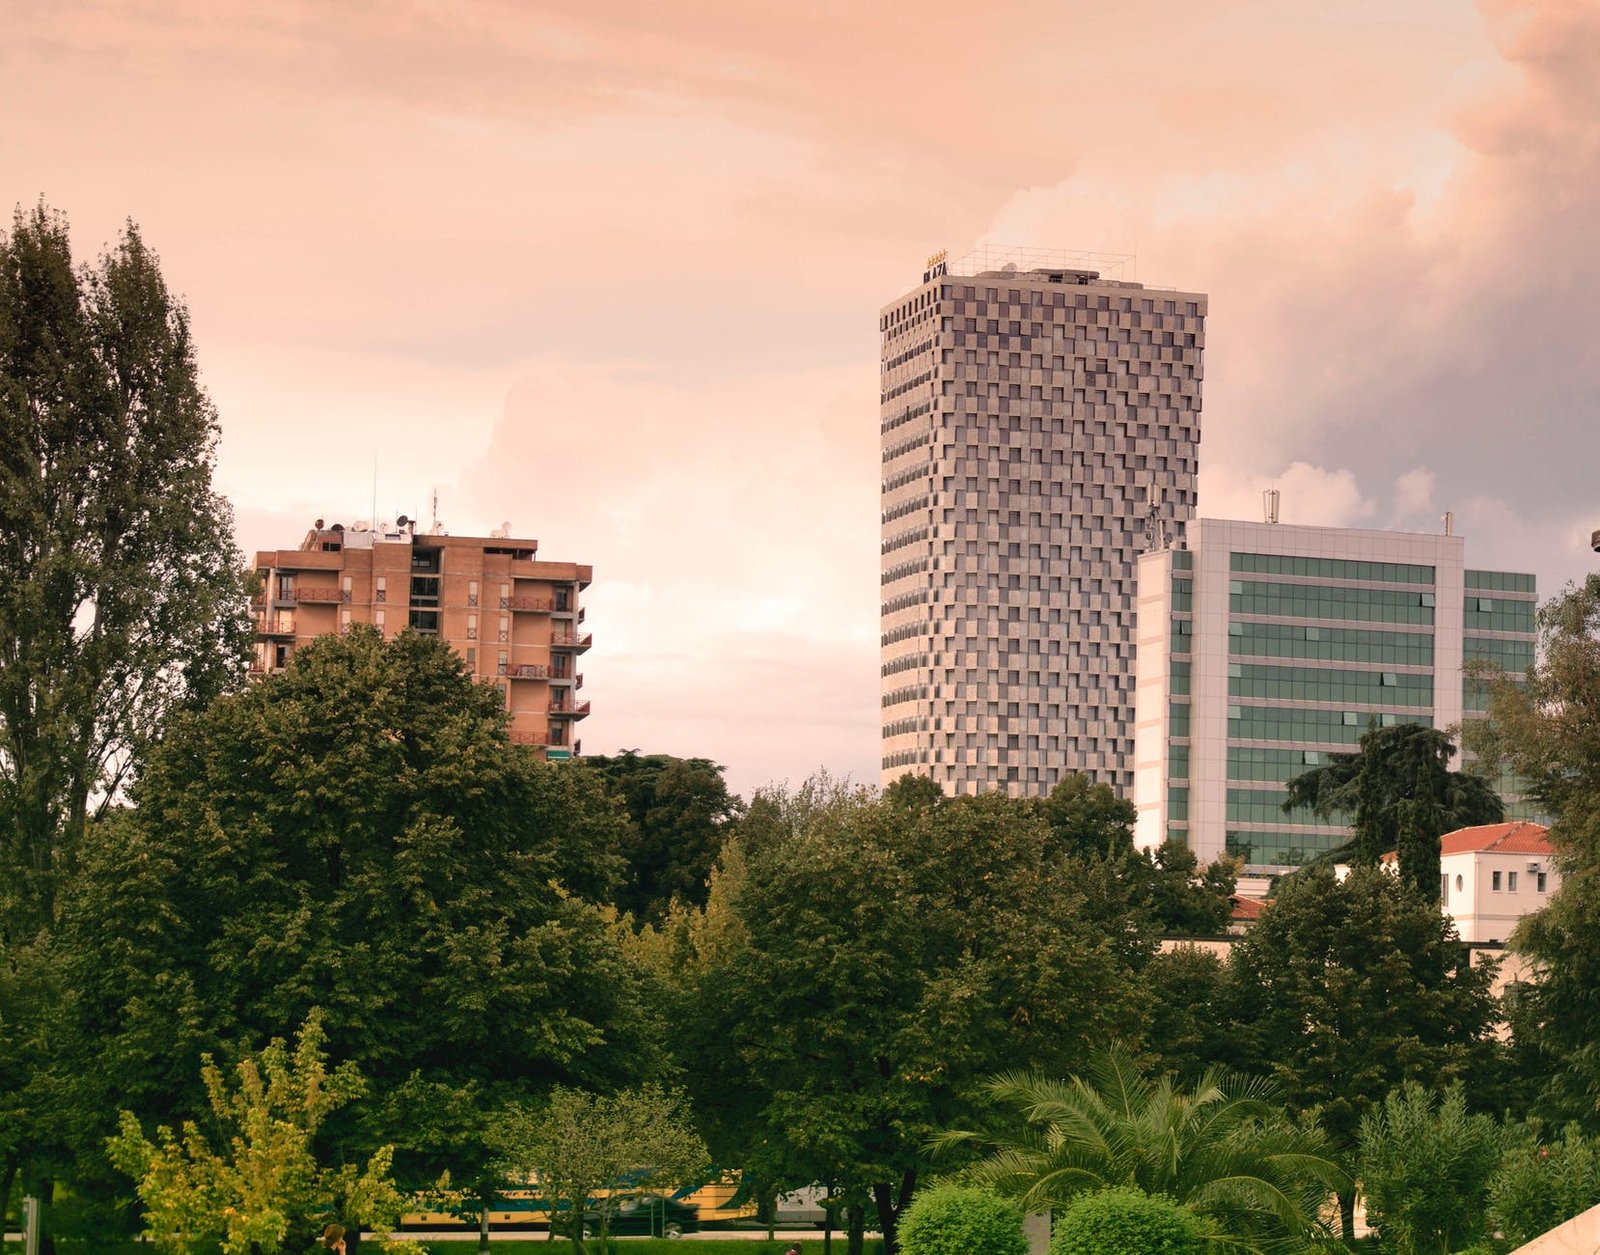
(436, 528)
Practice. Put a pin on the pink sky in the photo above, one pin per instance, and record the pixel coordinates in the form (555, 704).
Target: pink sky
(610, 272)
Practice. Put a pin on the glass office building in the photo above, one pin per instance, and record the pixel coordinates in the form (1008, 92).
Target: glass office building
(1263, 648)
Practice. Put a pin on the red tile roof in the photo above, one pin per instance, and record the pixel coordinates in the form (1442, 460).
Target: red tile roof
(1247, 909)
(1518, 837)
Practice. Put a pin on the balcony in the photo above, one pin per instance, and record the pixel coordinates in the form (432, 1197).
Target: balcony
(320, 594)
(521, 737)
(529, 671)
(538, 605)
(570, 640)
(569, 710)
(275, 625)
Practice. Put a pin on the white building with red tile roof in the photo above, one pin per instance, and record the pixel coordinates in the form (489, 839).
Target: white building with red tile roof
(1493, 875)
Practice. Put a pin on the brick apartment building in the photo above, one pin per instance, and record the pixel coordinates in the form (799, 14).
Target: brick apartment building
(515, 619)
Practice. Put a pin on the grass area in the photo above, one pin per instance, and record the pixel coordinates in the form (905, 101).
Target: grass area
(661, 1246)
(631, 1246)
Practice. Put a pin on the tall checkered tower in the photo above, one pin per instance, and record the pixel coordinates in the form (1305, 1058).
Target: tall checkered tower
(1040, 430)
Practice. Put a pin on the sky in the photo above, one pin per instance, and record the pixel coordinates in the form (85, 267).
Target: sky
(609, 271)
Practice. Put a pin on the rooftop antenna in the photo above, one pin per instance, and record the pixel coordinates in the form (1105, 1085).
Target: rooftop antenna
(1269, 505)
(1449, 522)
(437, 528)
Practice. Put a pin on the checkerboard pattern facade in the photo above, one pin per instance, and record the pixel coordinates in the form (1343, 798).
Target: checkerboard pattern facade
(1040, 430)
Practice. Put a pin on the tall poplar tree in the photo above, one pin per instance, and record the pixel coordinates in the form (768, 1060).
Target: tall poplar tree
(121, 588)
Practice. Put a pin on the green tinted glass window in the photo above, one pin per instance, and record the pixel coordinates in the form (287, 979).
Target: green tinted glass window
(1279, 848)
(1331, 568)
(1332, 727)
(1502, 581)
(1317, 601)
(1330, 644)
(1330, 684)
(1265, 806)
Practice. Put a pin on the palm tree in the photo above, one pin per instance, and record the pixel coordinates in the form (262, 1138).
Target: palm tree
(1225, 1150)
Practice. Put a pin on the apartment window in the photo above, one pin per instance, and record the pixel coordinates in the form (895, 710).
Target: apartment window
(1458, 884)
(505, 596)
(344, 623)
(472, 592)
(1511, 882)
(1539, 881)
(472, 659)
(346, 587)
(472, 627)
(377, 621)
(501, 664)
(381, 590)
(505, 628)
(1494, 882)
(285, 588)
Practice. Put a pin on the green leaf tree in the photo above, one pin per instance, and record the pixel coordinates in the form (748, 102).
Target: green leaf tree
(121, 594)
(681, 812)
(1392, 768)
(1224, 1150)
(891, 957)
(1343, 990)
(591, 1152)
(1545, 731)
(122, 601)
(264, 1190)
(357, 835)
(1426, 1162)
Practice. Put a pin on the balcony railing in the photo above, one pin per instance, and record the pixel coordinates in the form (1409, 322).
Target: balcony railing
(520, 737)
(540, 605)
(570, 640)
(274, 625)
(574, 710)
(529, 671)
(321, 594)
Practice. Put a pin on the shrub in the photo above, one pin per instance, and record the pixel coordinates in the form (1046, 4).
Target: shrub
(961, 1220)
(1126, 1221)
(1538, 1187)
(1425, 1167)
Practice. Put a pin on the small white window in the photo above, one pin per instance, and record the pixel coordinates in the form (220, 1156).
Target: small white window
(1511, 882)
(1494, 882)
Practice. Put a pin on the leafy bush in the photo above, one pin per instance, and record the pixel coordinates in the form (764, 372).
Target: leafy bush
(1425, 1167)
(1538, 1187)
(960, 1220)
(1126, 1221)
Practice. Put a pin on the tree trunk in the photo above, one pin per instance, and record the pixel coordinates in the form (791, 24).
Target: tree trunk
(483, 1220)
(855, 1219)
(44, 1190)
(890, 1204)
(1347, 1215)
(827, 1231)
(7, 1176)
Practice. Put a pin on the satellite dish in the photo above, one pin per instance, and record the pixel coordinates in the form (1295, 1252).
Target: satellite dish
(1010, 268)
(401, 522)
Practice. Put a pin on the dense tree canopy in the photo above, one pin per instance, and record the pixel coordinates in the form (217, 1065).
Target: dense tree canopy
(1345, 989)
(1399, 793)
(681, 811)
(121, 598)
(890, 954)
(1545, 731)
(356, 835)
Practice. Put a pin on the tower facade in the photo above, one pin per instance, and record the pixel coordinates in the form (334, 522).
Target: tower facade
(1040, 427)
(1263, 648)
(515, 620)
